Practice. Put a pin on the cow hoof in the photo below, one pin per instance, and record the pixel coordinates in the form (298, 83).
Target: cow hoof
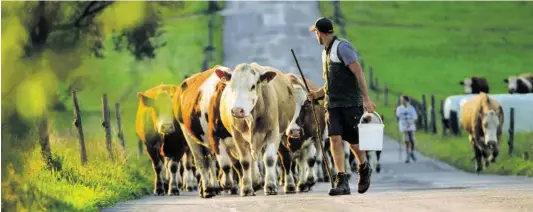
(190, 188)
(165, 186)
(180, 185)
(208, 193)
(378, 168)
(218, 190)
(310, 184)
(326, 179)
(302, 187)
(234, 191)
(271, 189)
(290, 189)
(248, 191)
(174, 192)
(159, 191)
(257, 186)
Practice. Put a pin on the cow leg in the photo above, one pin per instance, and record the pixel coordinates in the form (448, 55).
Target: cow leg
(270, 159)
(286, 162)
(213, 170)
(478, 155)
(257, 177)
(307, 163)
(191, 183)
(237, 174)
(319, 172)
(226, 164)
(378, 158)
(347, 166)
(158, 165)
(172, 168)
(202, 163)
(245, 158)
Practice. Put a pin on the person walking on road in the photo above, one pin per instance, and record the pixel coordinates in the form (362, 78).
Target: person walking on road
(346, 99)
(406, 114)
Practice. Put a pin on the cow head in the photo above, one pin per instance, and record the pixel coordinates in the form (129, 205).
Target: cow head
(161, 106)
(243, 85)
(303, 109)
(489, 123)
(467, 84)
(512, 84)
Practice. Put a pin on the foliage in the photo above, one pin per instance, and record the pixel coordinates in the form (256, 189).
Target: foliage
(118, 50)
(428, 47)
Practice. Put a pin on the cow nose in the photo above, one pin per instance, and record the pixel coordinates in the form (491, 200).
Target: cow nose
(237, 112)
(167, 128)
(294, 133)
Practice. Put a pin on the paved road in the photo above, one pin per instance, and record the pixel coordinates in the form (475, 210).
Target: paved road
(426, 185)
(264, 32)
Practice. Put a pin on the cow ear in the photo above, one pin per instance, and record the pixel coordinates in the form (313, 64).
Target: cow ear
(223, 75)
(267, 76)
(506, 80)
(145, 100)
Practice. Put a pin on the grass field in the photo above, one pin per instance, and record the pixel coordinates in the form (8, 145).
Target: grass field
(27, 186)
(428, 47)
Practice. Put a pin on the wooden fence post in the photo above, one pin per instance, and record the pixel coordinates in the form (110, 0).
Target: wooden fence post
(140, 147)
(511, 132)
(386, 94)
(371, 78)
(107, 125)
(120, 133)
(44, 141)
(79, 126)
(441, 114)
(433, 115)
(376, 84)
(424, 104)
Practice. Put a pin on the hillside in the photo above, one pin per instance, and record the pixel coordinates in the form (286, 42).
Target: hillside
(428, 47)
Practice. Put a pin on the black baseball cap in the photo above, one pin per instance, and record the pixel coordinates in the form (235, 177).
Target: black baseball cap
(322, 25)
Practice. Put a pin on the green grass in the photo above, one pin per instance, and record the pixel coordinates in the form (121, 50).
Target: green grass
(428, 47)
(28, 186)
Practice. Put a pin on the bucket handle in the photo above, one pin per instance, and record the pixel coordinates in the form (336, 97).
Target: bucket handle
(376, 113)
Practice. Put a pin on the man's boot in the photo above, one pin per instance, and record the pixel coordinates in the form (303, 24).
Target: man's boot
(363, 182)
(341, 185)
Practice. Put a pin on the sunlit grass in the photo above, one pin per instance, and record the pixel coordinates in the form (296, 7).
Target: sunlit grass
(427, 47)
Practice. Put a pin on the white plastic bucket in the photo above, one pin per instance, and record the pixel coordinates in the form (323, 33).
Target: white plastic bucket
(371, 134)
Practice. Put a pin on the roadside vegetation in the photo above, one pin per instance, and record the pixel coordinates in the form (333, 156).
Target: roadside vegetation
(428, 47)
(117, 48)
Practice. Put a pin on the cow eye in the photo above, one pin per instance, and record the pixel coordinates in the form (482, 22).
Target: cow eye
(253, 87)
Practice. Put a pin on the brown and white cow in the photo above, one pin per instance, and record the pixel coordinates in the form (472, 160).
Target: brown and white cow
(257, 107)
(164, 141)
(522, 83)
(190, 106)
(301, 139)
(482, 117)
(475, 85)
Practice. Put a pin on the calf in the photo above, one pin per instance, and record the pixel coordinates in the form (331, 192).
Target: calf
(190, 105)
(475, 85)
(301, 139)
(482, 117)
(257, 106)
(520, 84)
(158, 131)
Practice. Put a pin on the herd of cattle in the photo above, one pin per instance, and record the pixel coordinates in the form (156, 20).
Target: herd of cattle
(483, 116)
(222, 128)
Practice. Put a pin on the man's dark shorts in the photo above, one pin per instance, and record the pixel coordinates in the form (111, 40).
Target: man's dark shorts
(343, 121)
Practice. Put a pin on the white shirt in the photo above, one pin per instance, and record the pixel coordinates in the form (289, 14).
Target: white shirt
(406, 117)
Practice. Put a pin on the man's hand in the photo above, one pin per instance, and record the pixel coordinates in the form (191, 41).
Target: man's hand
(368, 105)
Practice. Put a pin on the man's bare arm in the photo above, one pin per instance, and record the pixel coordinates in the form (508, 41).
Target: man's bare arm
(355, 67)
